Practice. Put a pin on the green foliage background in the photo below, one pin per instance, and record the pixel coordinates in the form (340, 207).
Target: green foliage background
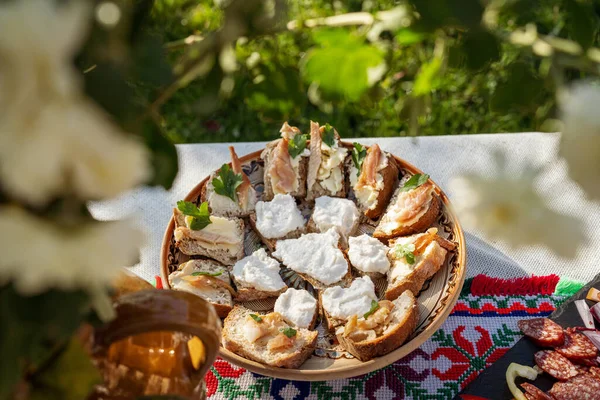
(487, 85)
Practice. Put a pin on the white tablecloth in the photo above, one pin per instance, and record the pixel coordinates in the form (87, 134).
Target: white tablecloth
(442, 157)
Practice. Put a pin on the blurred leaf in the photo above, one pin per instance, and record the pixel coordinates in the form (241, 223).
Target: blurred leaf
(442, 13)
(427, 79)
(164, 155)
(150, 63)
(408, 37)
(69, 377)
(582, 21)
(519, 92)
(279, 94)
(340, 66)
(481, 48)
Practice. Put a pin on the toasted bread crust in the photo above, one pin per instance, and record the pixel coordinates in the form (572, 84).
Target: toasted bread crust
(293, 360)
(390, 179)
(421, 225)
(222, 309)
(250, 294)
(369, 349)
(268, 193)
(270, 243)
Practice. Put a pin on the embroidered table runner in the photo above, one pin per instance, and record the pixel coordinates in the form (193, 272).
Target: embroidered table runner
(481, 328)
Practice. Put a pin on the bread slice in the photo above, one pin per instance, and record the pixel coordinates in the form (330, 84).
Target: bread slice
(224, 206)
(355, 298)
(427, 208)
(333, 212)
(268, 156)
(402, 323)
(315, 188)
(216, 289)
(234, 339)
(403, 276)
(270, 243)
(389, 178)
(257, 277)
(191, 242)
(368, 256)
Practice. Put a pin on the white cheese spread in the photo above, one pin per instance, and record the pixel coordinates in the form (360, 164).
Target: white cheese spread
(278, 217)
(343, 303)
(316, 255)
(368, 254)
(297, 307)
(258, 271)
(333, 212)
(330, 173)
(221, 233)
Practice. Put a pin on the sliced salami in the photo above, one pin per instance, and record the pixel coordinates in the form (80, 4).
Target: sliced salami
(581, 387)
(577, 346)
(555, 365)
(534, 392)
(542, 331)
(587, 362)
(594, 372)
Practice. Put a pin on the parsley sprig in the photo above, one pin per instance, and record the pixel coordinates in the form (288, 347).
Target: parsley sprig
(359, 153)
(414, 182)
(206, 273)
(374, 307)
(289, 332)
(256, 317)
(200, 215)
(406, 251)
(227, 182)
(328, 135)
(297, 145)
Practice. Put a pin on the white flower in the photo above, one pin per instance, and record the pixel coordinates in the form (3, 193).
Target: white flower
(38, 255)
(506, 207)
(580, 139)
(52, 139)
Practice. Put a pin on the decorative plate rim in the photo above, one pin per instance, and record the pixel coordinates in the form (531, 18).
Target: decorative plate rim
(347, 371)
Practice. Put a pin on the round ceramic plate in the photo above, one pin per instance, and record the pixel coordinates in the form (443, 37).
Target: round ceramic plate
(329, 361)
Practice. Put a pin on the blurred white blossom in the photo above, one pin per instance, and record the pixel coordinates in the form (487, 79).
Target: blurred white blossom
(38, 255)
(580, 139)
(506, 207)
(52, 139)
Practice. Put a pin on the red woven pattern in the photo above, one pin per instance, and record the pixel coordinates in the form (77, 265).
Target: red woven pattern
(483, 285)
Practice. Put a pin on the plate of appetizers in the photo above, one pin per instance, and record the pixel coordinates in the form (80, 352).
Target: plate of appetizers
(325, 259)
(558, 358)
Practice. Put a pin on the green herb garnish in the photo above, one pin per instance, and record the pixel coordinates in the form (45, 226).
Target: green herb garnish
(414, 182)
(297, 145)
(328, 135)
(200, 215)
(227, 182)
(406, 251)
(358, 156)
(374, 307)
(256, 317)
(205, 273)
(289, 332)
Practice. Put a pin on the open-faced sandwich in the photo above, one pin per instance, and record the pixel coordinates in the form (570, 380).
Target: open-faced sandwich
(326, 175)
(257, 277)
(341, 303)
(279, 218)
(229, 192)
(208, 279)
(333, 212)
(286, 164)
(413, 208)
(415, 259)
(382, 329)
(373, 175)
(298, 308)
(267, 338)
(368, 256)
(199, 233)
(316, 257)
